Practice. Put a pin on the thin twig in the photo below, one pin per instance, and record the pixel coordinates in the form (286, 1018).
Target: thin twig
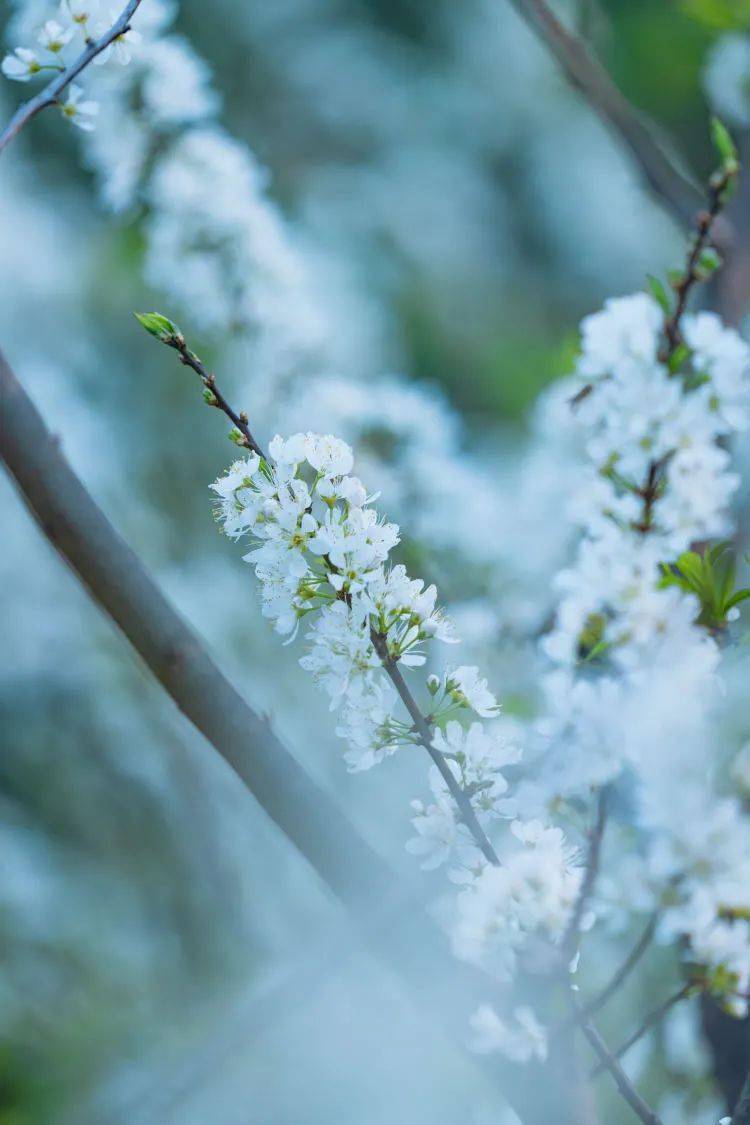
(190, 359)
(717, 191)
(379, 641)
(692, 275)
(50, 94)
(586, 74)
(424, 731)
(625, 968)
(572, 932)
(652, 1019)
(626, 1088)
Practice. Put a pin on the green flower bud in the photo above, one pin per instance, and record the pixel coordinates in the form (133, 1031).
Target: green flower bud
(159, 326)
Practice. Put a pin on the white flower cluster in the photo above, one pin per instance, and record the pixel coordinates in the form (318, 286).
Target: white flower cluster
(322, 552)
(656, 479)
(58, 40)
(532, 893)
(634, 676)
(218, 245)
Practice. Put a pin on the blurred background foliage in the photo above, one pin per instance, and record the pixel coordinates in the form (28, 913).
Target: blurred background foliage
(142, 896)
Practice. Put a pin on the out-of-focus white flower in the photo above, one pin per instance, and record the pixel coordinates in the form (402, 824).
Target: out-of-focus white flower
(530, 896)
(121, 47)
(79, 11)
(53, 37)
(22, 65)
(522, 1041)
(79, 110)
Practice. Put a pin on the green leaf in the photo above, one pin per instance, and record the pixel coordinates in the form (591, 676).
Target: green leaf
(739, 596)
(690, 566)
(659, 292)
(159, 326)
(723, 143)
(678, 357)
(708, 262)
(711, 578)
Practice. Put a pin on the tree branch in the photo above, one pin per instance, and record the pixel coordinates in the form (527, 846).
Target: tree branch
(572, 933)
(119, 583)
(626, 1088)
(50, 94)
(626, 968)
(585, 73)
(652, 1019)
(717, 194)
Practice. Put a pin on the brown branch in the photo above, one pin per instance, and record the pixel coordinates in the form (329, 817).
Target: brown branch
(652, 1019)
(675, 190)
(174, 339)
(625, 969)
(424, 731)
(626, 1088)
(50, 94)
(572, 932)
(692, 274)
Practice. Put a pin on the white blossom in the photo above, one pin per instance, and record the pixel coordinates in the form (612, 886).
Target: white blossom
(78, 109)
(466, 683)
(22, 65)
(531, 895)
(121, 47)
(54, 37)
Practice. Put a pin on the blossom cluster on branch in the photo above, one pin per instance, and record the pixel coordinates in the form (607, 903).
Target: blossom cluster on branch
(321, 555)
(634, 649)
(58, 40)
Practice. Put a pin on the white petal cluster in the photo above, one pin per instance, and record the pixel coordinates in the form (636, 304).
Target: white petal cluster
(637, 420)
(634, 677)
(218, 245)
(59, 38)
(531, 894)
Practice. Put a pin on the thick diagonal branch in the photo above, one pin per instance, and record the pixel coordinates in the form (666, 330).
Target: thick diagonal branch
(583, 70)
(50, 94)
(120, 584)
